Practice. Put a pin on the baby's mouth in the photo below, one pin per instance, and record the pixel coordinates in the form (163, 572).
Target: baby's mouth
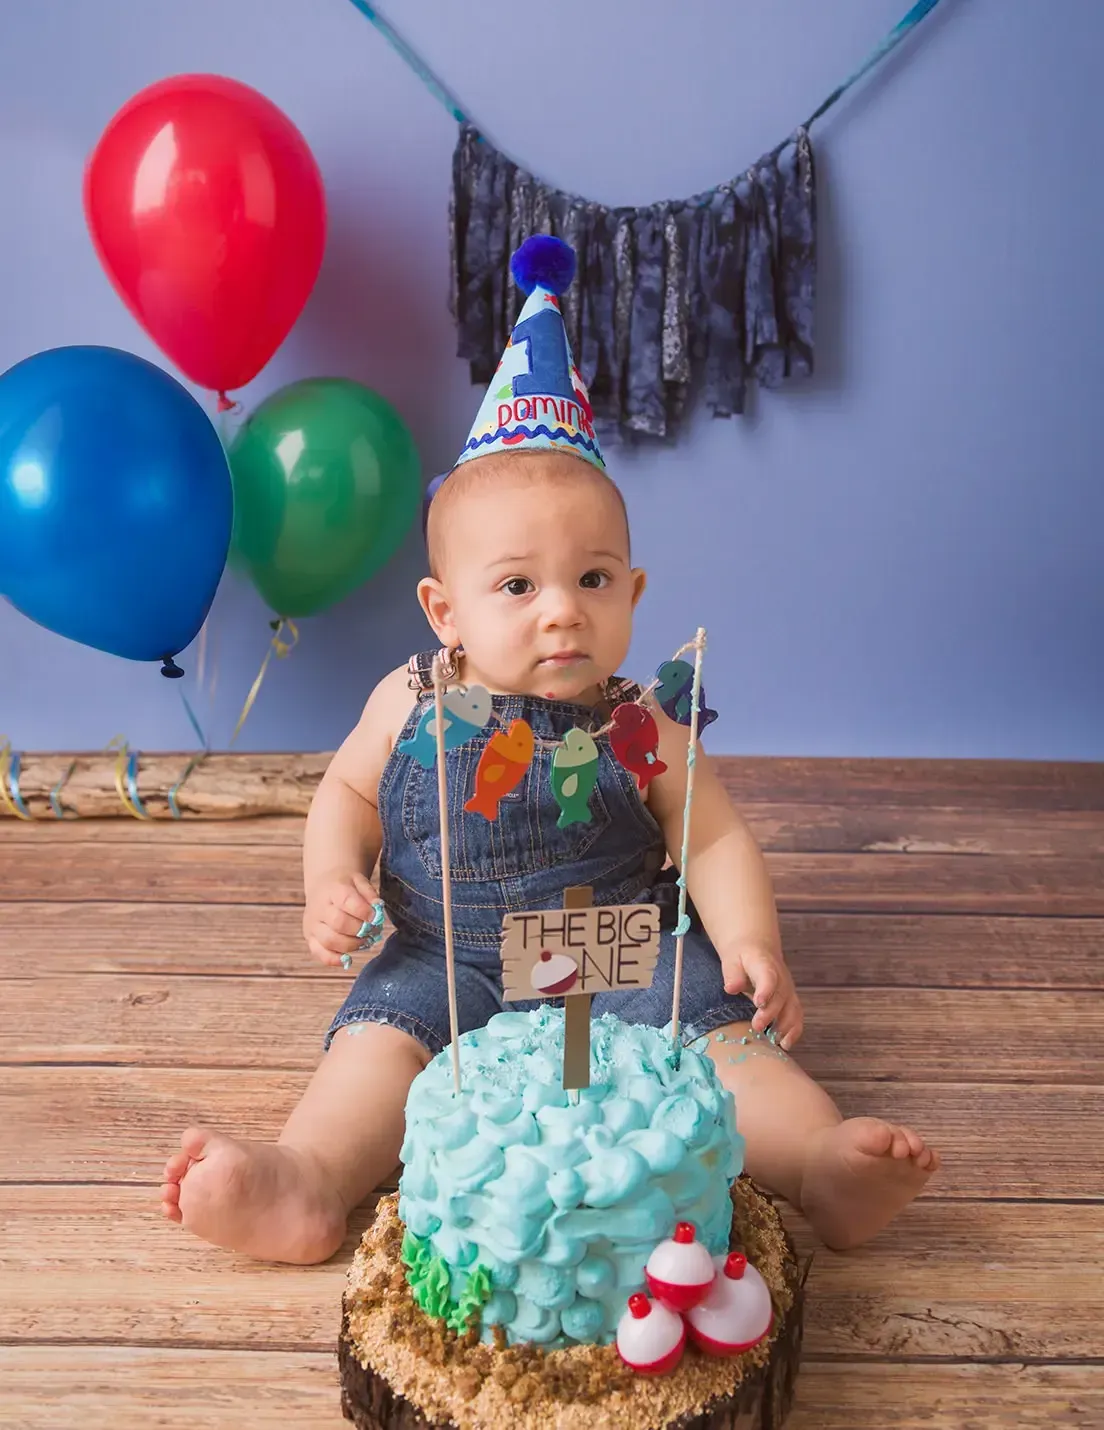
(563, 659)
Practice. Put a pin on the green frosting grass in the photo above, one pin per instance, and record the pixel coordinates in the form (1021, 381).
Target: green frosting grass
(431, 1285)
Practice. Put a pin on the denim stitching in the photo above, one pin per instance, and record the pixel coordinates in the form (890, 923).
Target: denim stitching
(719, 1016)
(371, 1013)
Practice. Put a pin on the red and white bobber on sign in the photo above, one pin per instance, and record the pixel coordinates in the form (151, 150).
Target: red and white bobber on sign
(736, 1313)
(650, 1338)
(680, 1271)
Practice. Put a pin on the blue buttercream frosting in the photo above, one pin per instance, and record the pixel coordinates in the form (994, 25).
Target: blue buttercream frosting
(563, 1196)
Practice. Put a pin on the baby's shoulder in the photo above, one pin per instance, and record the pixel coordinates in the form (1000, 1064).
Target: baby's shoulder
(390, 703)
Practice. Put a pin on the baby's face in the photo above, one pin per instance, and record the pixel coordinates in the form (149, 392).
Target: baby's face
(537, 587)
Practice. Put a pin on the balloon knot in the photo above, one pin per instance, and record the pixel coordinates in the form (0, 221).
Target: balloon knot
(225, 404)
(169, 668)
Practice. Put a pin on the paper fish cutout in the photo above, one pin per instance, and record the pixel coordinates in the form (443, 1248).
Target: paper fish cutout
(466, 712)
(574, 775)
(501, 768)
(635, 742)
(676, 682)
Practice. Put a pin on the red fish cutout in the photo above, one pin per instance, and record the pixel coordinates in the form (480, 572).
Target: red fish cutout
(502, 767)
(635, 742)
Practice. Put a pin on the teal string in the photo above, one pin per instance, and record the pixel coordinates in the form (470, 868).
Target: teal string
(196, 726)
(407, 52)
(132, 784)
(903, 27)
(174, 808)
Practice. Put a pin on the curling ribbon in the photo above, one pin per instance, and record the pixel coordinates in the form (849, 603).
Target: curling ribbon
(55, 794)
(281, 649)
(9, 781)
(126, 777)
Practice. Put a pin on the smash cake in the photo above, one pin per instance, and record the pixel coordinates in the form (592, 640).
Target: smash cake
(547, 1260)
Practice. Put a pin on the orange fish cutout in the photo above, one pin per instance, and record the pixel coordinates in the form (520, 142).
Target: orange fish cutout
(502, 767)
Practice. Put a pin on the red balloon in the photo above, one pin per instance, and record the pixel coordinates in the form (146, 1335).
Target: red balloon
(207, 211)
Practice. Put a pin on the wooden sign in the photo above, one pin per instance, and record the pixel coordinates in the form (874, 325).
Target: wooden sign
(573, 953)
(567, 952)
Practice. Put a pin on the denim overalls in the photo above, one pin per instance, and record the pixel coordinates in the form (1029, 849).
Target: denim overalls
(519, 861)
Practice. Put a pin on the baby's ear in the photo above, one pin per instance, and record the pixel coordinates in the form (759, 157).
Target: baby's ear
(640, 581)
(434, 601)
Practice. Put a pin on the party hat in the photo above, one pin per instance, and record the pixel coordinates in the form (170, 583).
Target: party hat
(537, 401)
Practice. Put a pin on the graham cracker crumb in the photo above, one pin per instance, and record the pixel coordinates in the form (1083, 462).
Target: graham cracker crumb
(468, 1382)
(506, 1375)
(526, 1389)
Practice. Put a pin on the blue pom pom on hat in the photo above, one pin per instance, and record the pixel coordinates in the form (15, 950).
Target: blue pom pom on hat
(537, 399)
(544, 262)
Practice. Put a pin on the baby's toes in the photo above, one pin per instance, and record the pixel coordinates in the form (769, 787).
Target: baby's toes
(900, 1146)
(915, 1141)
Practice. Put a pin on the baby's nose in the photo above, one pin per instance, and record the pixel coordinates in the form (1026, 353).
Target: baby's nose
(562, 607)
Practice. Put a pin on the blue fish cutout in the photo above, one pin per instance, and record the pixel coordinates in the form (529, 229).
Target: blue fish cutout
(673, 694)
(466, 713)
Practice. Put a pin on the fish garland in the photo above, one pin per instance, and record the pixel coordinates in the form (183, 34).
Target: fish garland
(633, 736)
(634, 740)
(675, 691)
(467, 711)
(574, 775)
(501, 768)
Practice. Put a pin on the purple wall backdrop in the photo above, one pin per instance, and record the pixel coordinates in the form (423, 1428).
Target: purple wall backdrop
(900, 557)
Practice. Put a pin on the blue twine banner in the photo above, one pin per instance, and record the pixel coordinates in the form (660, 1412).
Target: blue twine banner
(407, 52)
(443, 95)
(899, 32)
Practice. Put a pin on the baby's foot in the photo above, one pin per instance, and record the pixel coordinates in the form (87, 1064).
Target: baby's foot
(267, 1201)
(859, 1175)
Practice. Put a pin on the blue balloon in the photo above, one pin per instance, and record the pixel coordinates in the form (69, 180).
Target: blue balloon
(115, 502)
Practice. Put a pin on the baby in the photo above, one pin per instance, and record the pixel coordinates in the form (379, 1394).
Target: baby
(533, 592)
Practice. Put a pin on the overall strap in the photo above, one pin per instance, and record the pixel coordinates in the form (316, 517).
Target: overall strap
(420, 669)
(620, 691)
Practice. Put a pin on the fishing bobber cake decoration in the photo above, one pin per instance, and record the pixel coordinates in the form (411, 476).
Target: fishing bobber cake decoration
(650, 1336)
(736, 1312)
(680, 1271)
(721, 1302)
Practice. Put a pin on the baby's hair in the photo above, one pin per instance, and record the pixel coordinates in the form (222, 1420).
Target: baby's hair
(535, 467)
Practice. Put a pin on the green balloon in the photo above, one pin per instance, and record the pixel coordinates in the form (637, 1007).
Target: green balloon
(327, 483)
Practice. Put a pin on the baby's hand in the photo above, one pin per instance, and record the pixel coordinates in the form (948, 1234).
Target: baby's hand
(753, 967)
(334, 916)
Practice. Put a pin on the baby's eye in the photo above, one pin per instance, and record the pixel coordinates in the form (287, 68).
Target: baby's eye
(593, 580)
(518, 586)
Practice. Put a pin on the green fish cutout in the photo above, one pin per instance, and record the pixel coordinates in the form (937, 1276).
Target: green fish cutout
(574, 775)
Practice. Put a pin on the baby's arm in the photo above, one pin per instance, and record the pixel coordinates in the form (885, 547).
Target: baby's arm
(343, 835)
(728, 882)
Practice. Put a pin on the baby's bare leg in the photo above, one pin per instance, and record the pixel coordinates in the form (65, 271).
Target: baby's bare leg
(289, 1201)
(849, 1177)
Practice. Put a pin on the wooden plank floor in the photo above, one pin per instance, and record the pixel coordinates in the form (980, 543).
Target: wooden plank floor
(944, 920)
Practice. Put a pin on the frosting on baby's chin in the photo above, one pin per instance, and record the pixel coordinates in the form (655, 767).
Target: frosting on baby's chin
(562, 1197)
